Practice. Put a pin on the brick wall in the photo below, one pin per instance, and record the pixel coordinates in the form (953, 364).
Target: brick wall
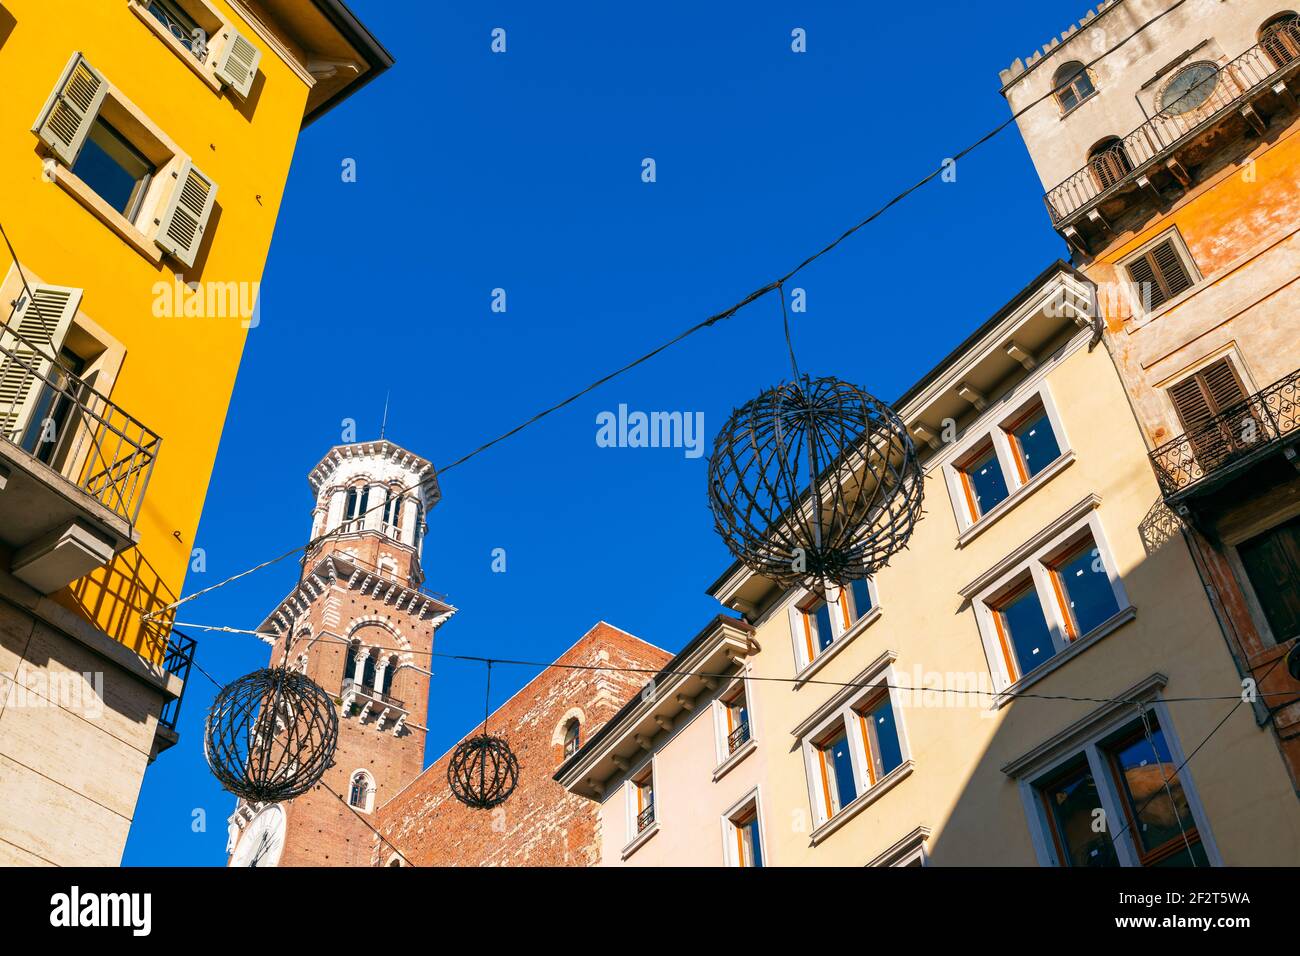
(541, 824)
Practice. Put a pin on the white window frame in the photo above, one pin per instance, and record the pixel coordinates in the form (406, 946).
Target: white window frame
(370, 790)
(807, 666)
(730, 850)
(844, 712)
(1041, 828)
(727, 760)
(636, 840)
(996, 431)
(1004, 681)
(1140, 316)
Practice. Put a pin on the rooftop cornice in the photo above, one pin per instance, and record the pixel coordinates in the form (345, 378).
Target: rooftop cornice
(1019, 68)
(324, 470)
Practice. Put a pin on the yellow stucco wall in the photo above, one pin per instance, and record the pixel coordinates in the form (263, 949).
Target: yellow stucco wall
(957, 787)
(178, 372)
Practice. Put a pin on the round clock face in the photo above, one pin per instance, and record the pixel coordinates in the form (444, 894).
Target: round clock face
(1190, 88)
(263, 840)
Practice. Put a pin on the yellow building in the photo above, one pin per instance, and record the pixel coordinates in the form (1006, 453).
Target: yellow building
(144, 150)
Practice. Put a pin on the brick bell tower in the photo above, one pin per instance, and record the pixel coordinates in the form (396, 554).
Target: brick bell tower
(359, 624)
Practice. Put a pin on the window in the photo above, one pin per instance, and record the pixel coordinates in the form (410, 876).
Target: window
(121, 166)
(997, 460)
(820, 621)
(392, 513)
(1189, 89)
(572, 737)
(1280, 38)
(355, 506)
(1159, 818)
(1034, 442)
(853, 747)
(53, 409)
(361, 791)
(1120, 800)
(736, 709)
(1071, 803)
(1054, 592)
(643, 793)
(1072, 85)
(746, 836)
(1161, 274)
(1204, 396)
(839, 788)
(1272, 564)
(985, 485)
(1109, 162)
(118, 172)
(182, 26)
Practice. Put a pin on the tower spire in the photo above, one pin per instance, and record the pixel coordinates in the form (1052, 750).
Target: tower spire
(383, 427)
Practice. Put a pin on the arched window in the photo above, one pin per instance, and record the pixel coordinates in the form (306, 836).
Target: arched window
(355, 507)
(368, 674)
(350, 663)
(572, 737)
(362, 791)
(1072, 84)
(388, 676)
(1280, 38)
(1109, 162)
(392, 513)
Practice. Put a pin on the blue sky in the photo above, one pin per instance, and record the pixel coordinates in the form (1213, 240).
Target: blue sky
(522, 171)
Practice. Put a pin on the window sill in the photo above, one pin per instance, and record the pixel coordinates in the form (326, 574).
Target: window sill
(78, 190)
(824, 658)
(641, 840)
(743, 751)
(987, 520)
(883, 786)
(1114, 623)
(202, 70)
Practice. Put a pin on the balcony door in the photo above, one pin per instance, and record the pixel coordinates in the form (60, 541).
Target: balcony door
(1272, 563)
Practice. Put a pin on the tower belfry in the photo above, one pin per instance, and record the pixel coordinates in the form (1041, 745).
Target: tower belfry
(361, 626)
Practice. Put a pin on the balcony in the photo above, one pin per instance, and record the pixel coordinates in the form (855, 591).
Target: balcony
(177, 661)
(1226, 446)
(74, 469)
(738, 737)
(365, 702)
(1164, 152)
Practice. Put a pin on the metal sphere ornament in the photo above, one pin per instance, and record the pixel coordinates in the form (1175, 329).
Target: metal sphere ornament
(815, 483)
(270, 735)
(483, 771)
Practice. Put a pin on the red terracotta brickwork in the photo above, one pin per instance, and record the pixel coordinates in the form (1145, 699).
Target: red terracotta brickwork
(541, 824)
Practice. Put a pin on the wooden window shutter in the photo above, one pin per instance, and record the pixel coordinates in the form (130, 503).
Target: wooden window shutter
(237, 65)
(1202, 396)
(1161, 274)
(1282, 42)
(186, 215)
(72, 107)
(30, 342)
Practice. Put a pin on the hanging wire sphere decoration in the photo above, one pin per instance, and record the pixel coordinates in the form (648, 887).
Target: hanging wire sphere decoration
(815, 483)
(483, 771)
(270, 735)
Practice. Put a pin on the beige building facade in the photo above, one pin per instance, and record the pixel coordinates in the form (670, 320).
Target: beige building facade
(1012, 690)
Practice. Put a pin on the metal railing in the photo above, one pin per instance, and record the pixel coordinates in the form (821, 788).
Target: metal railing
(178, 660)
(1229, 438)
(1236, 83)
(738, 737)
(192, 36)
(68, 425)
(645, 818)
(350, 686)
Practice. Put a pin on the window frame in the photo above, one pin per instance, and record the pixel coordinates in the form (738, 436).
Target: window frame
(209, 19)
(633, 787)
(809, 658)
(1059, 87)
(844, 714)
(370, 788)
(732, 841)
(987, 602)
(737, 687)
(997, 430)
(1094, 748)
(1136, 303)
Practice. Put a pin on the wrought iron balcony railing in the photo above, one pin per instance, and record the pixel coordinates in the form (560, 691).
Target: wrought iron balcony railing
(645, 818)
(355, 690)
(179, 658)
(69, 426)
(1236, 84)
(1225, 444)
(738, 737)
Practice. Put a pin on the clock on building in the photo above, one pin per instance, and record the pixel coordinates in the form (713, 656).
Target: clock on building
(262, 841)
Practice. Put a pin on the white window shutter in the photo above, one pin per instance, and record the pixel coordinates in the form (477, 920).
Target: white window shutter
(237, 65)
(185, 217)
(71, 109)
(28, 346)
